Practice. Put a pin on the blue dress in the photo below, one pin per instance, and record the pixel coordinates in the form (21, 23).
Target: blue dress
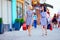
(43, 19)
(29, 17)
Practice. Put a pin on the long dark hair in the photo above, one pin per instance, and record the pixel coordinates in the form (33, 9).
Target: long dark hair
(44, 8)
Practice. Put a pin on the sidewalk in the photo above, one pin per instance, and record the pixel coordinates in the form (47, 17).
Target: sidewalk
(36, 35)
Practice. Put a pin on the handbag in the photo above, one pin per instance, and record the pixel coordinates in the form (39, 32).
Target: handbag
(48, 26)
(24, 26)
(51, 28)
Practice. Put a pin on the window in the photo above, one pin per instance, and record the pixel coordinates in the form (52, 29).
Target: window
(19, 10)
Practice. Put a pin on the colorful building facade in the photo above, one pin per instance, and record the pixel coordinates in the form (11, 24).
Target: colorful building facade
(10, 10)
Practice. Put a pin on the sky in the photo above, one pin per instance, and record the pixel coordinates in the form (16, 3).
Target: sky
(56, 6)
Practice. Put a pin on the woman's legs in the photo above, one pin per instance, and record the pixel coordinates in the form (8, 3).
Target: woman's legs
(58, 24)
(44, 30)
(29, 30)
(52, 25)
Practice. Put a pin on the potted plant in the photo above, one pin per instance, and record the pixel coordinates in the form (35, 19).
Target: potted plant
(0, 20)
(21, 21)
(17, 24)
(1, 27)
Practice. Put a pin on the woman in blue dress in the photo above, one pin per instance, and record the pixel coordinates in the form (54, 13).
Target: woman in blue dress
(29, 19)
(43, 21)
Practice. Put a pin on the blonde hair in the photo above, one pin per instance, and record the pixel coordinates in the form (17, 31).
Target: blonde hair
(30, 7)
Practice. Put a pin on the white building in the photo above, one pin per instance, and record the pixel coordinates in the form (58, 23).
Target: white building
(5, 12)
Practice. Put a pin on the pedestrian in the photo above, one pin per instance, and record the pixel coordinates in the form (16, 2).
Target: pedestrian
(54, 21)
(49, 23)
(58, 19)
(48, 15)
(29, 19)
(35, 20)
(38, 15)
(43, 21)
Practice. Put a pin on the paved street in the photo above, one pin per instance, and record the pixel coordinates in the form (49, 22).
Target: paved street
(36, 35)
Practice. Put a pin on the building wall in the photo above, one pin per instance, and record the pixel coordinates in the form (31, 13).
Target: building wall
(5, 13)
(9, 14)
(0, 8)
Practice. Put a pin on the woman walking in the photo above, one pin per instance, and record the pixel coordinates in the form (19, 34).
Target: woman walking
(43, 21)
(54, 21)
(29, 19)
(58, 19)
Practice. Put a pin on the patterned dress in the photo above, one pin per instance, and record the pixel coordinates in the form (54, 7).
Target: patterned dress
(29, 17)
(43, 19)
